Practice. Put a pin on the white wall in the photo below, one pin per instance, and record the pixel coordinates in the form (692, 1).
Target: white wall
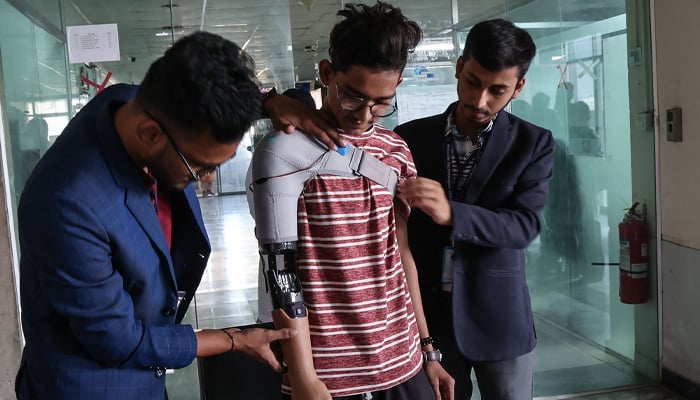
(10, 341)
(676, 31)
(681, 325)
(10, 336)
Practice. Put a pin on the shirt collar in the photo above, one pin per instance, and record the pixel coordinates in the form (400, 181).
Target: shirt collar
(452, 129)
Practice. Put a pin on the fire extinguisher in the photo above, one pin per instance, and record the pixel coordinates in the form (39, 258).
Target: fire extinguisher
(634, 260)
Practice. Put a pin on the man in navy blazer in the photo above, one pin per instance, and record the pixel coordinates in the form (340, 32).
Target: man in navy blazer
(482, 185)
(111, 234)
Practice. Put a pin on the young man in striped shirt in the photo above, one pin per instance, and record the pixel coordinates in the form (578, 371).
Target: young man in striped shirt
(362, 332)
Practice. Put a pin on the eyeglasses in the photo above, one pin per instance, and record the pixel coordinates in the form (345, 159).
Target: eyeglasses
(195, 176)
(348, 103)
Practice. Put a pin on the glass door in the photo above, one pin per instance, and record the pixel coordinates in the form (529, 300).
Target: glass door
(231, 174)
(578, 88)
(572, 268)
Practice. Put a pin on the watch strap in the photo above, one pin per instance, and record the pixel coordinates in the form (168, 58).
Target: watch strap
(434, 355)
(266, 93)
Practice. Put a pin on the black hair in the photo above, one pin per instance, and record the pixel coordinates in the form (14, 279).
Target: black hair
(301, 95)
(204, 81)
(498, 44)
(378, 37)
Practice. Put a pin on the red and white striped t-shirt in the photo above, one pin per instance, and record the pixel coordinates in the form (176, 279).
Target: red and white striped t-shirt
(364, 335)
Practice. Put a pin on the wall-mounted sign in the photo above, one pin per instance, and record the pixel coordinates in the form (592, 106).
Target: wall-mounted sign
(92, 43)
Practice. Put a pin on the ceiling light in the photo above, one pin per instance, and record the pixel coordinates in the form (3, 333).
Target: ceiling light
(176, 27)
(435, 46)
(162, 34)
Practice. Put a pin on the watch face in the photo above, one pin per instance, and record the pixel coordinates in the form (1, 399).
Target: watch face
(434, 355)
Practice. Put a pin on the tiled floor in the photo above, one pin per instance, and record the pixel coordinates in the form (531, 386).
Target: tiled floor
(228, 296)
(640, 393)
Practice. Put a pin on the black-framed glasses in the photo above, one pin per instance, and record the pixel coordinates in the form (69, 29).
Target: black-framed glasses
(195, 175)
(348, 103)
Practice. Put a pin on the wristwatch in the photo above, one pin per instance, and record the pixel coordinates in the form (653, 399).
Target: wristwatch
(266, 93)
(434, 355)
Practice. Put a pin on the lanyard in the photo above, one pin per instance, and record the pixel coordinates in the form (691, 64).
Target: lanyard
(459, 167)
(460, 164)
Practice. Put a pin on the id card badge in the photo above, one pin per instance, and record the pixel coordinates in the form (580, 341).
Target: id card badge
(180, 296)
(447, 255)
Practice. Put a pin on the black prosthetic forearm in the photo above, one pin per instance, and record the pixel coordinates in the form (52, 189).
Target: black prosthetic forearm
(279, 263)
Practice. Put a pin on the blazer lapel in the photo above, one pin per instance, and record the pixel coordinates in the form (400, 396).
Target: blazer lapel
(136, 193)
(143, 211)
(499, 140)
(195, 208)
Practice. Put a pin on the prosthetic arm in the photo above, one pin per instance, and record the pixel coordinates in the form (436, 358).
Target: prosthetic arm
(281, 165)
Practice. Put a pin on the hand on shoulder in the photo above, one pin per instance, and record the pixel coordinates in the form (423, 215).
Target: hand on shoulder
(288, 115)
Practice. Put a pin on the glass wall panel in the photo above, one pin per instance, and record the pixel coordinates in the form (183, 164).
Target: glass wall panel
(35, 92)
(233, 172)
(34, 97)
(50, 10)
(577, 88)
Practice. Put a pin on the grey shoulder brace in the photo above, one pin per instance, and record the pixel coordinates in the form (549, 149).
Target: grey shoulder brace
(281, 165)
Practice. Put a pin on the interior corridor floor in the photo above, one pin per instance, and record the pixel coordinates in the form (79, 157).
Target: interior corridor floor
(228, 296)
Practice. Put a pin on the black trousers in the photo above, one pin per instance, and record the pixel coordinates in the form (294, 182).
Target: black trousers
(441, 329)
(498, 380)
(416, 388)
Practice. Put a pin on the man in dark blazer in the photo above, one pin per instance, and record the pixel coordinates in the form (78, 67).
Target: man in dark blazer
(112, 239)
(482, 184)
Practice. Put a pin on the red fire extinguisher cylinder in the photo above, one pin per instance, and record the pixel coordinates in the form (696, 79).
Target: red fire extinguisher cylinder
(634, 259)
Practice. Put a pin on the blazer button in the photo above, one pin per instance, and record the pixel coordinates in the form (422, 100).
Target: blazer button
(159, 372)
(168, 311)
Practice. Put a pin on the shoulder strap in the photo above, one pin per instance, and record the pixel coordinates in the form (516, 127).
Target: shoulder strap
(362, 163)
